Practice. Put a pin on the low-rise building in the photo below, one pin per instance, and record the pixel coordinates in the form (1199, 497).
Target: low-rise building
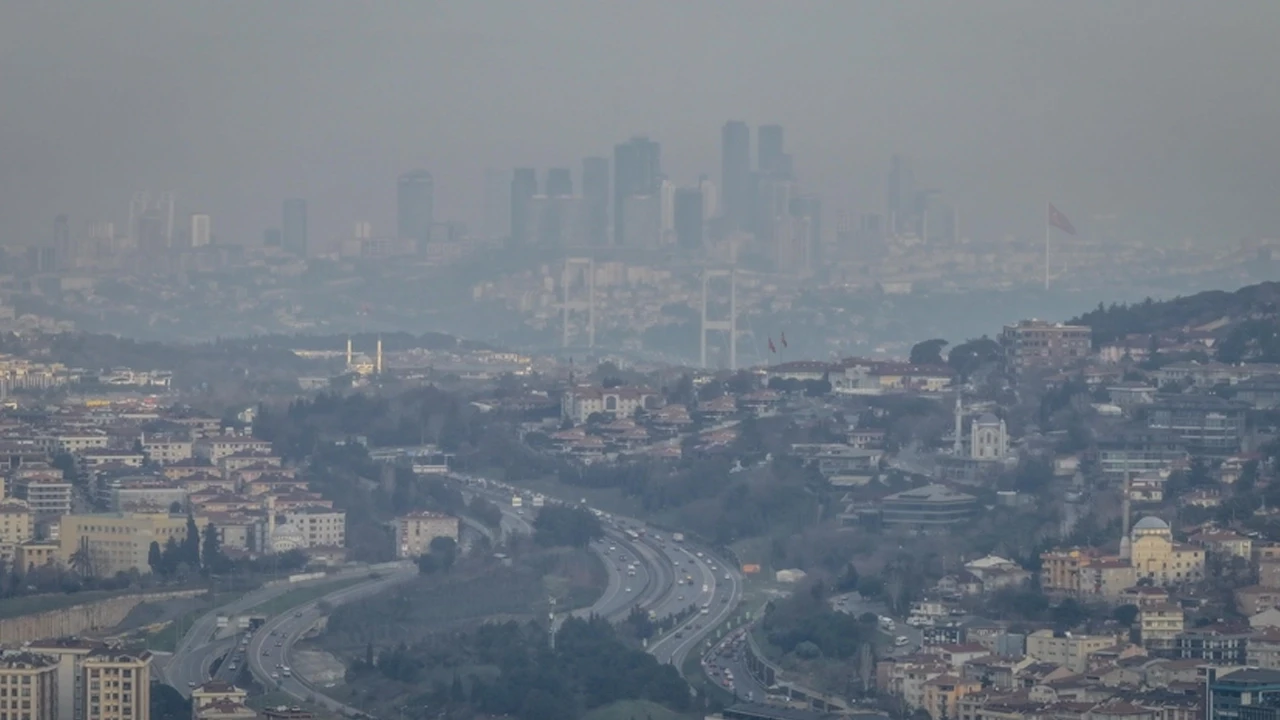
(928, 506)
(1067, 650)
(108, 543)
(320, 527)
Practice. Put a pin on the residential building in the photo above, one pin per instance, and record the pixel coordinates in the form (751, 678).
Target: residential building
(928, 506)
(68, 653)
(16, 523)
(415, 531)
(1060, 569)
(163, 450)
(320, 527)
(71, 441)
(215, 691)
(116, 685)
(28, 686)
(941, 695)
(1066, 649)
(47, 494)
(1040, 345)
(1138, 450)
(35, 553)
(1207, 424)
(1212, 644)
(1160, 624)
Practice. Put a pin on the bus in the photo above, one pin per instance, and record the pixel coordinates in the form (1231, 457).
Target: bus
(633, 535)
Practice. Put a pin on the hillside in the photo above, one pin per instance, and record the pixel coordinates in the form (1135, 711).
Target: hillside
(1244, 323)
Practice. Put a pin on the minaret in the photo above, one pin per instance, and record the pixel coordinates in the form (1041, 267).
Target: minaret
(959, 444)
(270, 503)
(348, 352)
(1125, 549)
(377, 368)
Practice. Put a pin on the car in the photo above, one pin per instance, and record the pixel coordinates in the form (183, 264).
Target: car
(626, 589)
(298, 614)
(273, 632)
(279, 644)
(680, 597)
(265, 652)
(191, 683)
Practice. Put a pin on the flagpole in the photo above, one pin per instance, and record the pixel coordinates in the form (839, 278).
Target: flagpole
(1046, 246)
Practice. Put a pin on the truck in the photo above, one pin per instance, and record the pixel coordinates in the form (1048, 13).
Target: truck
(517, 501)
(677, 537)
(539, 501)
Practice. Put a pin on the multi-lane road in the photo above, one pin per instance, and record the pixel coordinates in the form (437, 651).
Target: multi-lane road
(657, 575)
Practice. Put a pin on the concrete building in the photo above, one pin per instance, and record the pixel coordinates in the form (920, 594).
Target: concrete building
(1066, 649)
(216, 447)
(118, 542)
(580, 403)
(163, 450)
(1040, 345)
(320, 527)
(221, 699)
(928, 506)
(34, 554)
(1244, 694)
(28, 686)
(415, 531)
(47, 495)
(16, 523)
(116, 685)
(1206, 424)
(68, 653)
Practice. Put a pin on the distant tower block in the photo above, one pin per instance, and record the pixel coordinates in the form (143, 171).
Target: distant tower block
(577, 296)
(729, 324)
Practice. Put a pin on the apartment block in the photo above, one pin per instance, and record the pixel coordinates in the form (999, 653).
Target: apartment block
(28, 687)
(116, 685)
(1040, 345)
(415, 531)
(320, 527)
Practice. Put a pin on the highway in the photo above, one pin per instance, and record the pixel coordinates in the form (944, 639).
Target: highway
(190, 663)
(660, 566)
(270, 646)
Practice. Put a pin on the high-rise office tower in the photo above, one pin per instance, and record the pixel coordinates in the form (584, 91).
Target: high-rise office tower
(667, 205)
(772, 204)
(642, 226)
(293, 234)
(735, 174)
(151, 234)
(689, 218)
(271, 237)
(201, 230)
(524, 185)
(809, 208)
(902, 195)
(637, 171)
(770, 154)
(63, 251)
(709, 197)
(559, 182)
(497, 203)
(595, 191)
(415, 207)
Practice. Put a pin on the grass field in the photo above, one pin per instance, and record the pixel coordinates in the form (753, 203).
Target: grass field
(635, 710)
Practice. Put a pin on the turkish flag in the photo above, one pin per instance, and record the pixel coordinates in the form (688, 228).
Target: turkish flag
(1060, 221)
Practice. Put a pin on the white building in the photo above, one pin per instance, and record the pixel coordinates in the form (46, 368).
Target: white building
(988, 438)
(580, 403)
(201, 230)
(319, 527)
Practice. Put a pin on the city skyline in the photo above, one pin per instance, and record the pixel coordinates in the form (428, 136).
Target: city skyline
(1005, 129)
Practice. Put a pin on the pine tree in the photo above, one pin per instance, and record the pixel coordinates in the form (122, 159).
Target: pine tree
(155, 558)
(212, 548)
(191, 547)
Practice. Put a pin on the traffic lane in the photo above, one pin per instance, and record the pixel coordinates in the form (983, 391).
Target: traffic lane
(287, 630)
(694, 629)
(855, 604)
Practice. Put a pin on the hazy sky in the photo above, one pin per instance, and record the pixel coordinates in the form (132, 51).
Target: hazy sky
(1166, 111)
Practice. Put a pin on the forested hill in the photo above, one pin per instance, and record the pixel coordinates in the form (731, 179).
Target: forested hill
(1249, 311)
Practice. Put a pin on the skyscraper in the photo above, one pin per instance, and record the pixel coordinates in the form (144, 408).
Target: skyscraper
(201, 230)
(524, 185)
(559, 182)
(709, 198)
(595, 191)
(809, 208)
(902, 195)
(415, 207)
(689, 218)
(497, 203)
(637, 171)
(667, 205)
(770, 154)
(293, 234)
(62, 248)
(735, 173)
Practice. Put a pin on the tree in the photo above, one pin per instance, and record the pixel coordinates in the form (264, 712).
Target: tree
(446, 549)
(191, 546)
(573, 526)
(155, 558)
(212, 548)
(970, 355)
(81, 560)
(1125, 614)
(928, 352)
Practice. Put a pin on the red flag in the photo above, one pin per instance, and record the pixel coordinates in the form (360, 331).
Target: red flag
(1060, 221)
(784, 339)
(772, 349)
